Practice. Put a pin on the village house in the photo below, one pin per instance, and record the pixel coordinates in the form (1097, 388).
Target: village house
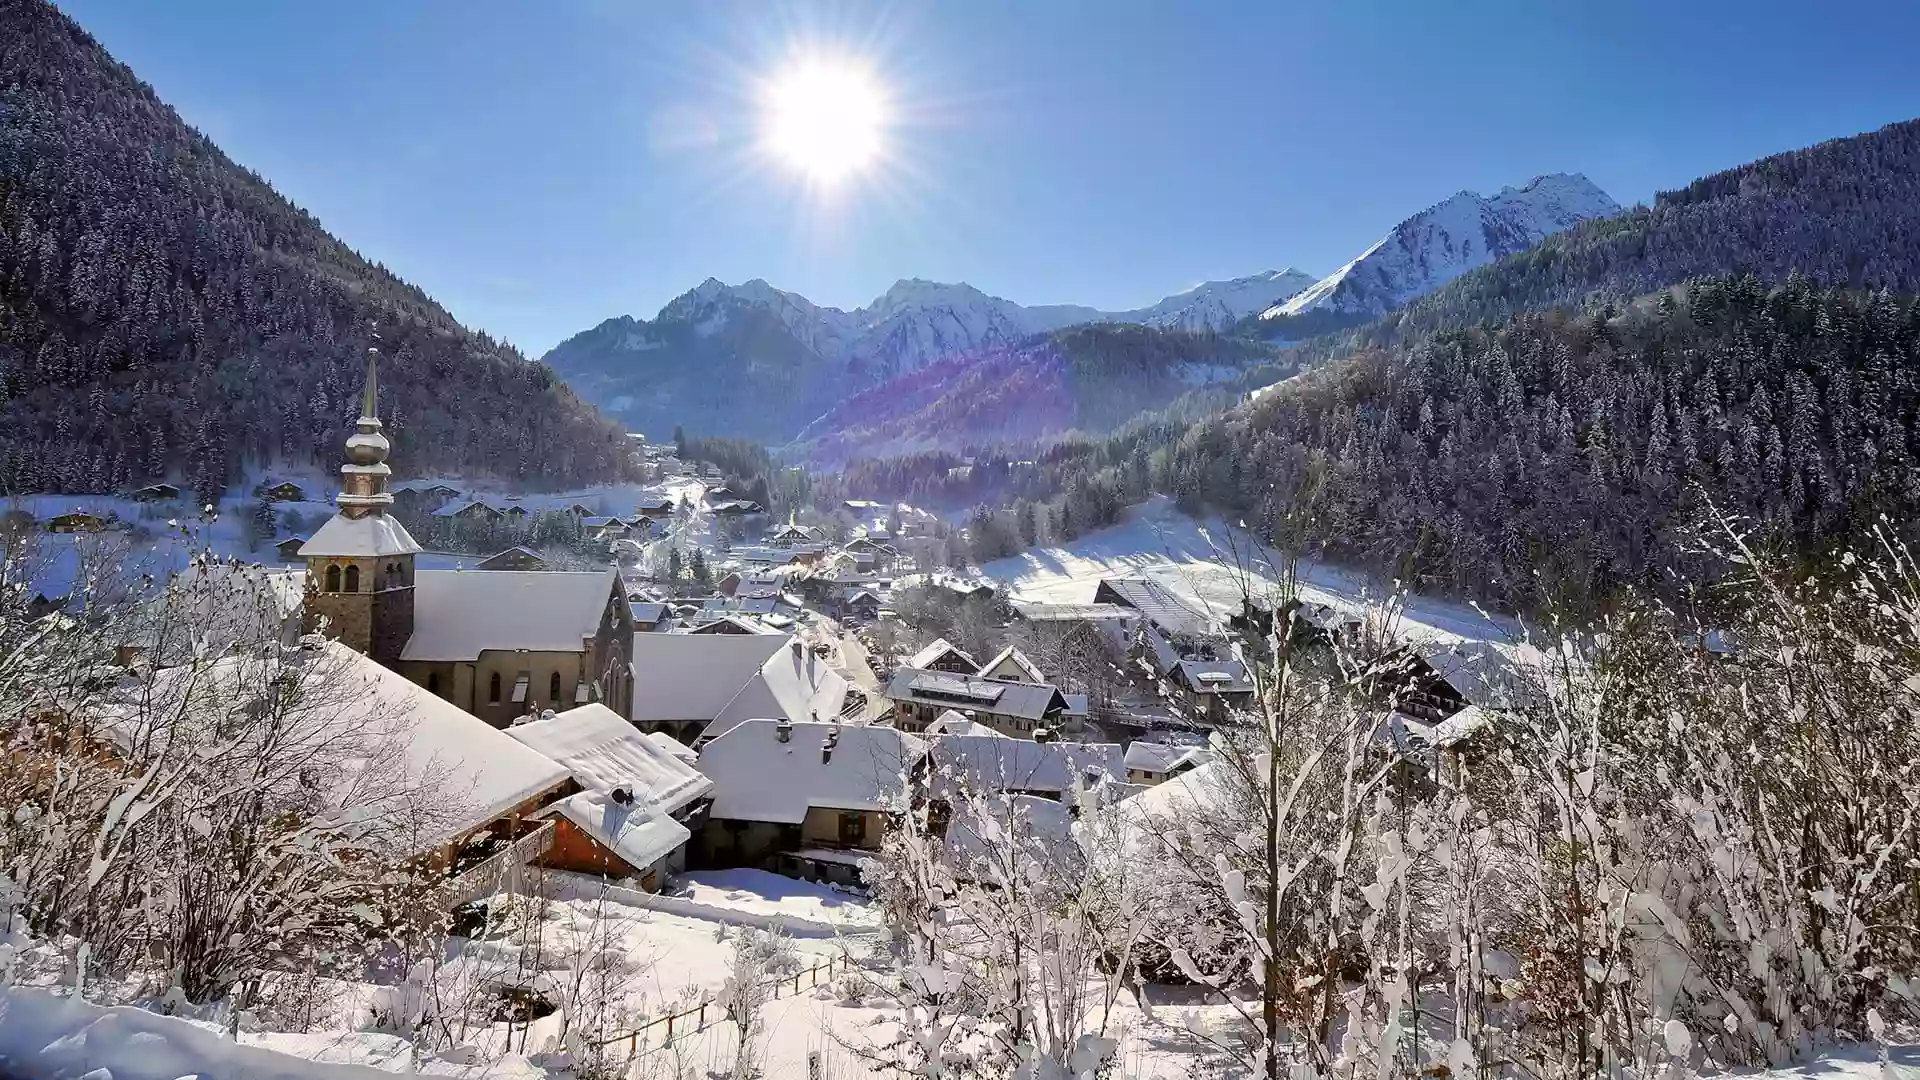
(289, 549)
(469, 510)
(942, 655)
(692, 686)
(805, 798)
(513, 558)
(283, 491)
(495, 643)
(1018, 709)
(1154, 762)
(156, 493)
(78, 521)
(1012, 664)
(632, 804)
(650, 616)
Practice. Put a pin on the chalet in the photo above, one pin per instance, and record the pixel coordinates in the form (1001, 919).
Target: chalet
(942, 655)
(650, 617)
(514, 558)
(1212, 687)
(632, 803)
(289, 549)
(857, 603)
(1154, 762)
(695, 685)
(790, 534)
(1012, 664)
(804, 798)
(493, 785)
(718, 493)
(468, 510)
(156, 493)
(736, 508)
(1013, 708)
(283, 491)
(77, 521)
(417, 496)
(1163, 610)
(514, 510)
(580, 510)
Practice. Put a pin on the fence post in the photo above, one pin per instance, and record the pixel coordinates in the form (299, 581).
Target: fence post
(703, 1014)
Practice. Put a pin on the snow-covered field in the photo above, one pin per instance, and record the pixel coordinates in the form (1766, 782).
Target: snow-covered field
(1213, 565)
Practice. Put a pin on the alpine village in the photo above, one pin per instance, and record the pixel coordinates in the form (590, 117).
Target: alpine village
(1498, 657)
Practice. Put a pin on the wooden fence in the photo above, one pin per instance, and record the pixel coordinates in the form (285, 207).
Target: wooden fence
(709, 1012)
(500, 868)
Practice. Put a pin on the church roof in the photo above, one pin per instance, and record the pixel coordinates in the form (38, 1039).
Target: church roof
(459, 614)
(371, 537)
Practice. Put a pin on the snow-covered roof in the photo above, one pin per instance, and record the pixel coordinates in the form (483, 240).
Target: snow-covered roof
(456, 508)
(952, 723)
(693, 676)
(1011, 663)
(459, 614)
(938, 649)
(509, 558)
(642, 833)
(374, 536)
(757, 777)
(1000, 697)
(648, 613)
(673, 746)
(604, 751)
(1215, 676)
(984, 832)
(476, 771)
(793, 684)
(985, 763)
(1163, 757)
(1159, 605)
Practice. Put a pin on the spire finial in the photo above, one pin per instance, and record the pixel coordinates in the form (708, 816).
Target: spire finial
(370, 396)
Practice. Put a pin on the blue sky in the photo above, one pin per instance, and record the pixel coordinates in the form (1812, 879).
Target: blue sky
(540, 167)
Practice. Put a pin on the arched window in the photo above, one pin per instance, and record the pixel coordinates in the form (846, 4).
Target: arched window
(433, 682)
(493, 689)
(553, 688)
(333, 579)
(353, 579)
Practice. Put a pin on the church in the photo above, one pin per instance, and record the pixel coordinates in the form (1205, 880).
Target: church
(497, 643)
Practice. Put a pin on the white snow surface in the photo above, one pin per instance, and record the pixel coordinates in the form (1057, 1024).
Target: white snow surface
(1195, 561)
(1448, 239)
(603, 751)
(458, 613)
(642, 833)
(758, 777)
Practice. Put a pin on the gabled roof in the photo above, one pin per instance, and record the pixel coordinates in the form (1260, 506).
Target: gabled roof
(374, 536)
(757, 777)
(1215, 676)
(1165, 757)
(603, 751)
(648, 613)
(692, 677)
(459, 614)
(952, 723)
(1159, 605)
(730, 626)
(640, 833)
(509, 558)
(478, 771)
(673, 746)
(793, 684)
(1011, 656)
(1001, 697)
(454, 509)
(937, 649)
(987, 764)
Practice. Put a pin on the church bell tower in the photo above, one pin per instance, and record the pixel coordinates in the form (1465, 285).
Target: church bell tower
(360, 570)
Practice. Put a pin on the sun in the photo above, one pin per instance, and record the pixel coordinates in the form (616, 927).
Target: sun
(826, 119)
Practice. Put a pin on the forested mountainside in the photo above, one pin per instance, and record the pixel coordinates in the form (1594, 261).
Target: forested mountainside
(1544, 460)
(1085, 378)
(163, 312)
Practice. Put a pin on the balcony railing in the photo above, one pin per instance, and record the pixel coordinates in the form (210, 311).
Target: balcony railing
(501, 869)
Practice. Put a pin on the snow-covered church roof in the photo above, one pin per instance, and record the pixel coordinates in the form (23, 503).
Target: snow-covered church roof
(374, 536)
(459, 614)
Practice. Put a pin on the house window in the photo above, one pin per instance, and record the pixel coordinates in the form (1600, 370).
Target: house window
(553, 688)
(333, 579)
(493, 689)
(433, 683)
(353, 579)
(853, 828)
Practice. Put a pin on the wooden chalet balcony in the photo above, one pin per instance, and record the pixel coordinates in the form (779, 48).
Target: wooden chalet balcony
(501, 868)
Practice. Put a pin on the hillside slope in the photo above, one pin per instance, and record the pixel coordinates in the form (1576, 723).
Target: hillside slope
(1090, 379)
(163, 312)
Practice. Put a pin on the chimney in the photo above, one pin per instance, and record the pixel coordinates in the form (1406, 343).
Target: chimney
(826, 745)
(784, 731)
(623, 796)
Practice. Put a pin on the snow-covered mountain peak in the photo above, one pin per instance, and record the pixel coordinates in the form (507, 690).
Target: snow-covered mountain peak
(1448, 239)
